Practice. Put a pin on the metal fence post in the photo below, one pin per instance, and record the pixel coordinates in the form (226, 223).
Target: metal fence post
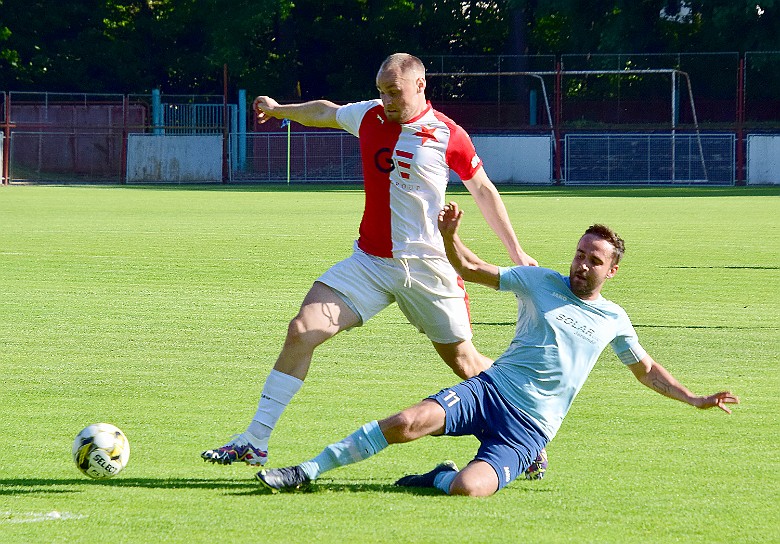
(6, 137)
(242, 129)
(740, 140)
(125, 130)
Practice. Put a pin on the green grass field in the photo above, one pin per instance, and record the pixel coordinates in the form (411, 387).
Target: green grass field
(162, 310)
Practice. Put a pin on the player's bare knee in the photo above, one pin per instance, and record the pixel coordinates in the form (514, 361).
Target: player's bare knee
(471, 487)
(396, 428)
(478, 479)
(406, 424)
(297, 325)
(413, 423)
(301, 334)
(296, 331)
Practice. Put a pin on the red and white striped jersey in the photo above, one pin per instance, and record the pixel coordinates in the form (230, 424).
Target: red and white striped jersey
(405, 173)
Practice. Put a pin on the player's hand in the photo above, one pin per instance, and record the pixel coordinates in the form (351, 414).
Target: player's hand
(264, 106)
(524, 259)
(449, 219)
(718, 399)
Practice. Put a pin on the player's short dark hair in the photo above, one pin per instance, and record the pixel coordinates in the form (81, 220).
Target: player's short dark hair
(403, 61)
(609, 235)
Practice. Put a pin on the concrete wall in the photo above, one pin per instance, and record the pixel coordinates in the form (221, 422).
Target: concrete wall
(516, 159)
(763, 159)
(174, 158)
(507, 159)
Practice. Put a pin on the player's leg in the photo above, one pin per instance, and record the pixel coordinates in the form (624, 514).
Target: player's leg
(427, 417)
(349, 293)
(481, 478)
(434, 300)
(323, 314)
(424, 418)
(443, 313)
(478, 479)
(504, 454)
(461, 415)
(497, 464)
(509, 440)
(463, 358)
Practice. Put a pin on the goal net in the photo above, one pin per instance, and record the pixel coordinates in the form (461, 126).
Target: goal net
(632, 126)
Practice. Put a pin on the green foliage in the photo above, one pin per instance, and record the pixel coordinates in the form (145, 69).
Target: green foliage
(162, 310)
(620, 26)
(740, 25)
(312, 49)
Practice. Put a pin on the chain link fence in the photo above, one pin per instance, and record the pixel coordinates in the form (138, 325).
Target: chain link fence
(77, 137)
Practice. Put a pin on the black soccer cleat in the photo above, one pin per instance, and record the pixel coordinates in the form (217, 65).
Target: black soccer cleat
(278, 479)
(426, 480)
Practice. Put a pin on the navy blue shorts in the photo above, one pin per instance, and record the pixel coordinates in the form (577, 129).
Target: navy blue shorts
(510, 441)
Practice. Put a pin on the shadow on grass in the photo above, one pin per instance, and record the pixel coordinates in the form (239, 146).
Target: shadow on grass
(495, 323)
(330, 487)
(34, 486)
(321, 486)
(40, 486)
(24, 486)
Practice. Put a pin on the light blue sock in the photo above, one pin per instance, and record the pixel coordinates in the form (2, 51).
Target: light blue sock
(443, 480)
(362, 444)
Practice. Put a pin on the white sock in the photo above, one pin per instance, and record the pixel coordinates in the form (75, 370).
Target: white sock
(278, 391)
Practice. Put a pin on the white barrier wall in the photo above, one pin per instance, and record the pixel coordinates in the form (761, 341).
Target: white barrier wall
(516, 159)
(763, 159)
(174, 158)
(507, 159)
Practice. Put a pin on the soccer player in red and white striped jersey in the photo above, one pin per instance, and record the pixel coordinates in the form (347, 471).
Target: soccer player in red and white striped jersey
(407, 150)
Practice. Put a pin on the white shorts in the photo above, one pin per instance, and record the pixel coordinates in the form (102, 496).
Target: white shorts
(428, 291)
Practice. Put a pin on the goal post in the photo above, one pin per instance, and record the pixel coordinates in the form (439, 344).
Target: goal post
(630, 100)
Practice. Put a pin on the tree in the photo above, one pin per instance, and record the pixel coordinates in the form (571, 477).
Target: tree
(735, 25)
(637, 26)
(312, 49)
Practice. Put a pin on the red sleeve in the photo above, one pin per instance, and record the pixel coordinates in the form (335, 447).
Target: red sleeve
(461, 156)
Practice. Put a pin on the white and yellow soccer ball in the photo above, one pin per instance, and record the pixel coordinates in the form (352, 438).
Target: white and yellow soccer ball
(101, 451)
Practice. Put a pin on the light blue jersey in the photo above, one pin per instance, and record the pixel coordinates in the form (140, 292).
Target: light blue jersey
(557, 341)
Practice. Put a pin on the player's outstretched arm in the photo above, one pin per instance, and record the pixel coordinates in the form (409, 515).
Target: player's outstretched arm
(317, 113)
(493, 210)
(657, 378)
(466, 263)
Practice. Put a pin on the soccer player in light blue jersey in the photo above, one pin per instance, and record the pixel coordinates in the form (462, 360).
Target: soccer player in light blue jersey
(518, 404)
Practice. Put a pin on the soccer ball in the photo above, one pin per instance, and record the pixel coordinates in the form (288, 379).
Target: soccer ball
(101, 451)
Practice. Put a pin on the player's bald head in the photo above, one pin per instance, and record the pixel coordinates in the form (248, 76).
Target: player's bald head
(403, 63)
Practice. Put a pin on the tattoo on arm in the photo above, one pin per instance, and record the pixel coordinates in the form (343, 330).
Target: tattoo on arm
(661, 385)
